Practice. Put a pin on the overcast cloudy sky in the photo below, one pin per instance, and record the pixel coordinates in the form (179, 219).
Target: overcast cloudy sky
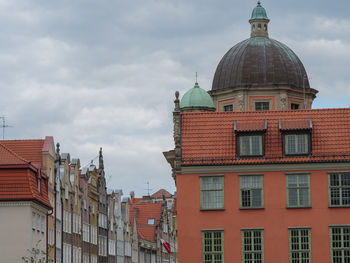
(104, 72)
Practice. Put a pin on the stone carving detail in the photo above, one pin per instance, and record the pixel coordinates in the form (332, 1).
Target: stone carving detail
(177, 138)
(283, 102)
(240, 103)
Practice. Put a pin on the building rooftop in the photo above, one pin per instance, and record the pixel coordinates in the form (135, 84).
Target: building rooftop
(210, 139)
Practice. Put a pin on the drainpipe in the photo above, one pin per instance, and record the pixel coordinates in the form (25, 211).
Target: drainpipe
(89, 233)
(81, 229)
(61, 228)
(72, 234)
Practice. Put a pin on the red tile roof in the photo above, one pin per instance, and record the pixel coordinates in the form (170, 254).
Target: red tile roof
(146, 211)
(30, 150)
(160, 193)
(296, 124)
(8, 157)
(209, 138)
(256, 125)
(19, 177)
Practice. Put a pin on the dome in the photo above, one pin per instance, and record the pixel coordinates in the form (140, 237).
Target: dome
(196, 98)
(259, 12)
(259, 61)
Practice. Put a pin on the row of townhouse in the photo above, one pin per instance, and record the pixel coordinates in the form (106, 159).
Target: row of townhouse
(54, 210)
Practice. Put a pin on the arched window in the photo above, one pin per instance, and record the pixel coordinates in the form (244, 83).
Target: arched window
(253, 27)
(265, 27)
(259, 26)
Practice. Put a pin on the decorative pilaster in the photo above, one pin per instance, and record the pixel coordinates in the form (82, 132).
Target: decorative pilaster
(177, 135)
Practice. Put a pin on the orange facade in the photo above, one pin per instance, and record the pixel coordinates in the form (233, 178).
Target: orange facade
(275, 219)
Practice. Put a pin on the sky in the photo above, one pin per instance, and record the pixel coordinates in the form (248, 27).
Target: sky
(103, 73)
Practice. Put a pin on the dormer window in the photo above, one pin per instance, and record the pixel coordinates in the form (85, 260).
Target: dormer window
(250, 145)
(296, 137)
(250, 137)
(150, 221)
(296, 143)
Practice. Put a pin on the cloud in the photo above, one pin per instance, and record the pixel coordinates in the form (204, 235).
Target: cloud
(104, 73)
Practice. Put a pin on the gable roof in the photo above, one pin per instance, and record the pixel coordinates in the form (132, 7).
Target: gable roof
(19, 177)
(144, 212)
(8, 157)
(210, 138)
(30, 150)
(160, 193)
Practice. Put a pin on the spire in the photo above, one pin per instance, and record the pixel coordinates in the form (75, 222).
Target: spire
(259, 22)
(100, 160)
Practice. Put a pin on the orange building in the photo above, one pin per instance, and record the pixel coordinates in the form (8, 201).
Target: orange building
(260, 176)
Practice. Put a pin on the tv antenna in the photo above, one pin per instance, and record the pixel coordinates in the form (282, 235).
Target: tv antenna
(148, 189)
(3, 125)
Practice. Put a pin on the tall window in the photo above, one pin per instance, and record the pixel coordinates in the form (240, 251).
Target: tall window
(250, 145)
(296, 144)
(298, 190)
(300, 245)
(253, 246)
(213, 246)
(340, 244)
(212, 192)
(251, 191)
(260, 106)
(339, 189)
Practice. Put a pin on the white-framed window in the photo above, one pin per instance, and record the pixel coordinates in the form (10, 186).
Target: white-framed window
(37, 222)
(43, 224)
(86, 231)
(93, 259)
(150, 221)
(165, 228)
(111, 247)
(102, 246)
(33, 220)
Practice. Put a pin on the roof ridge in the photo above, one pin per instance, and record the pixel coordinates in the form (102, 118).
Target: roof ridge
(14, 153)
(263, 112)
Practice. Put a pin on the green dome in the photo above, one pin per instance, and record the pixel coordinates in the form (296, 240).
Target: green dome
(259, 12)
(196, 97)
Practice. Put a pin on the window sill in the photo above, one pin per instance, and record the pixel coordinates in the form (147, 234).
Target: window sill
(298, 207)
(339, 206)
(212, 209)
(251, 208)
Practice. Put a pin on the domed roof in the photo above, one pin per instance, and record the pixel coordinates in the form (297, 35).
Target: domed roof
(259, 61)
(259, 12)
(196, 97)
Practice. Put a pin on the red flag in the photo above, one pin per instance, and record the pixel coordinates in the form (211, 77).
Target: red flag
(166, 245)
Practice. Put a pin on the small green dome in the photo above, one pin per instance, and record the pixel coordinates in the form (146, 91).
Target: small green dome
(196, 97)
(259, 12)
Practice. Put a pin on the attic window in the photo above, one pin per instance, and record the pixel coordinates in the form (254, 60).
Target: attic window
(296, 136)
(150, 221)
(250, 137)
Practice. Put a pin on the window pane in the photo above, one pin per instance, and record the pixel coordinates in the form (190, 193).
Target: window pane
(251, 145)
(302, 143)
(212, 192)
(293, 197)
(298, 190)
(256, 198)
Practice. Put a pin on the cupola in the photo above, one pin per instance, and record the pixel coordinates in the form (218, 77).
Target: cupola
(196, 99)
(259, 22)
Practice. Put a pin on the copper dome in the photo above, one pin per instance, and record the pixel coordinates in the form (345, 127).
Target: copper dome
(259, 61)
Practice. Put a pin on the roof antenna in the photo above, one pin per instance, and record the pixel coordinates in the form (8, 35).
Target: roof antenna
(3, 126)
(148, 189)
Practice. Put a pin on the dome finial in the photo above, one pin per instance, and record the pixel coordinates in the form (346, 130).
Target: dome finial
(196, 78)
(259, 2)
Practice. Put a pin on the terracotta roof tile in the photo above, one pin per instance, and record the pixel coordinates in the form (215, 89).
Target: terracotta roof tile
(146, 211)
(160, 193)
(19, 177)
(209, 138)
(30, 150)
